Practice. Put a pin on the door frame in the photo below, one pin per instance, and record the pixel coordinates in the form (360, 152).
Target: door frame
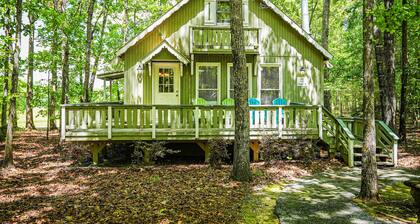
(154, 66)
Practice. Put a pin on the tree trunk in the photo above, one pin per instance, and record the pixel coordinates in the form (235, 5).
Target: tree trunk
(30, 79)
(404, 78)
(241, 170)
(379, 70)
(65, 69)
(88, 45)
(126, 21)
(325, 36)
(389, 69)
(98, 55)
(8, 47)
(369, 186)
(8, 150)
(54, 76)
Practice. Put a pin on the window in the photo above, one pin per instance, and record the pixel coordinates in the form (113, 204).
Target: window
(166, 80)
(208, 82)
(217, 12)
(230, 79)
(223, 11)
(271, 84)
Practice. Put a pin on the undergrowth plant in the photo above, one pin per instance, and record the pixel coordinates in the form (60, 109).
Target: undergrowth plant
(148, 152)
(218, 152)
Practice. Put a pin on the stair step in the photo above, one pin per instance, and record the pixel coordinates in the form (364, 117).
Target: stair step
(378, 155)
(359, 163)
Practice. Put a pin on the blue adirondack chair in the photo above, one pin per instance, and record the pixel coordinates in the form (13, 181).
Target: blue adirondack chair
(253, 101)
(279, 102)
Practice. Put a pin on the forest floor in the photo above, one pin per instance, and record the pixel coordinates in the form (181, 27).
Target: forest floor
(47, 187)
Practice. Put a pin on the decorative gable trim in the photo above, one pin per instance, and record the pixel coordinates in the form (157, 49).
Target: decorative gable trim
(165, 45)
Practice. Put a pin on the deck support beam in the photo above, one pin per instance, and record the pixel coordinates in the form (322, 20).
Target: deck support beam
(205, 147)
(255, 146)
(96, 149)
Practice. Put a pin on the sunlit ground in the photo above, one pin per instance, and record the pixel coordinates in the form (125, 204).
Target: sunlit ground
(46, 186)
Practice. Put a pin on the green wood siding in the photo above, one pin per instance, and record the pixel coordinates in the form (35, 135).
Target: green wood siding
(279, 44)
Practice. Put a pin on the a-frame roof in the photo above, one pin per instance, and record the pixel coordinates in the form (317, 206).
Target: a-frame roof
(283, 16)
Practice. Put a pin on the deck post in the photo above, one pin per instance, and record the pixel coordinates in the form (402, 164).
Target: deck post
(255, 146)
(197, 123)
(350, 153)
(153, 122)
(63, 123)
(109, 122)
(96, 149)
(280, 122)
(395, 153)
(205, 147)
(320, 121)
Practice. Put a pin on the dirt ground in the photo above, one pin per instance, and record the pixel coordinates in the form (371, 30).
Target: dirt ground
(46, 187)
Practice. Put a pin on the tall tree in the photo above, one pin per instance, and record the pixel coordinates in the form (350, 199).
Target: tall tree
(55, 43)
(30, 79)
(241, 165)
(369, 186)
(99, 49)
(389, 67)
(88, 50)
(380, 69)
(8, 152)
(325, 36)
(8, 47)
(404, 77)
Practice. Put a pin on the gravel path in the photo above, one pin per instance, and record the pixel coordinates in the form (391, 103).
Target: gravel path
(327, 197)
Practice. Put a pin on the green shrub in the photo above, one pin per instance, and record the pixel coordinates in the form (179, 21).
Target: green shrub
(149, 152)
(218, 151)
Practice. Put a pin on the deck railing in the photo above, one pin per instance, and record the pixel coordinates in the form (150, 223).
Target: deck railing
(218, 39)
(183, 122)
(338, 136)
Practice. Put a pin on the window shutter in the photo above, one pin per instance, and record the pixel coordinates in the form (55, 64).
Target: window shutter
(245, 10)
(210, 12)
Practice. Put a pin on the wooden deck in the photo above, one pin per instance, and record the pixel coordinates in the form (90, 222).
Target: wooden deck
(115, 122)
(186, 122)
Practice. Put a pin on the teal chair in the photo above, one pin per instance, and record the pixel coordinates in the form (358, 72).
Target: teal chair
(228, 102)
(279, 102)
(253, 101)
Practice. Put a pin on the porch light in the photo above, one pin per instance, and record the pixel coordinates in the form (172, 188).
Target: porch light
(302, 69)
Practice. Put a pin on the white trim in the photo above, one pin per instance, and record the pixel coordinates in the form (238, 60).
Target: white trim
(157, 50)
(249, 67)
(259, 87)
(151, 27)
(177, 79)
(296, 27)
(218, 65)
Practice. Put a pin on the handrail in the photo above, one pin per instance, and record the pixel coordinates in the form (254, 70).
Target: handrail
(341, 128)
(187, 106)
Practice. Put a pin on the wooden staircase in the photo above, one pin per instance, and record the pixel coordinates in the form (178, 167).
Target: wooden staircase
(345, 135)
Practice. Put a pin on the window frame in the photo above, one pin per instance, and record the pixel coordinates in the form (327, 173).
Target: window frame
(197, 79)
(281, 84)
(210, 13)
(249, 67)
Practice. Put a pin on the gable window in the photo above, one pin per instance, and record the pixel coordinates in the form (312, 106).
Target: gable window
(208, 82)
(217, 12)
(223, 11)
(230, 82)
(270, 83)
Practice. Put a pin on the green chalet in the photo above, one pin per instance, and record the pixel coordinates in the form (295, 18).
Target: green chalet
(178, 85)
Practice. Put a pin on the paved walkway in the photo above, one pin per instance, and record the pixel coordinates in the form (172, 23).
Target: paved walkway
(326, 197)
